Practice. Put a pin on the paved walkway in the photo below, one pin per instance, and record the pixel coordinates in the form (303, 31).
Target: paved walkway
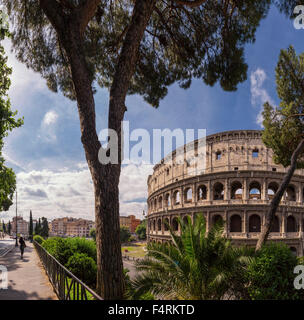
(27, 279)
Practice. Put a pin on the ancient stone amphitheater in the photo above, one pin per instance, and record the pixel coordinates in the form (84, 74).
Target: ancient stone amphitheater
(237, 185)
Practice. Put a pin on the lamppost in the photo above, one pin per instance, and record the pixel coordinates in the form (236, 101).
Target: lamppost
(16, 244)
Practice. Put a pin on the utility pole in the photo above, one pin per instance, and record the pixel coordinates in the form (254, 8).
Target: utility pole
(16, 244)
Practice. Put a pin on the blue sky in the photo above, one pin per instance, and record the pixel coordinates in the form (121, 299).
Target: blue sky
(47, 155)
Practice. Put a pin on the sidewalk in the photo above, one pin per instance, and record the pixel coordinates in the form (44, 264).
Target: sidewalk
(27, 279)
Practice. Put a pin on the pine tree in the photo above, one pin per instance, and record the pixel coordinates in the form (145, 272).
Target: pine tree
(31, 226)
(129, 47)
(284, 127)
(45, 228)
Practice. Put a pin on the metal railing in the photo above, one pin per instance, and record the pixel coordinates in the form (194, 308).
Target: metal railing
(65, 284)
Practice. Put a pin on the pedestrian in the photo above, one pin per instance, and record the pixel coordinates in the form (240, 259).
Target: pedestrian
(22, 246)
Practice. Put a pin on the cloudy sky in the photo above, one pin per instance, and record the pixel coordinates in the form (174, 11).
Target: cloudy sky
(46, 153)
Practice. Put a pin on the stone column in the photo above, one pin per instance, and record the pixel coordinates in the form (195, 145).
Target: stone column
(226, 223)
(207, 221)
(245, 189)
(264, 190)
(182, 196)
(227, 190)
(300, 191)
(210, 193)
(194, 194)
(245, 228)
(283, 224)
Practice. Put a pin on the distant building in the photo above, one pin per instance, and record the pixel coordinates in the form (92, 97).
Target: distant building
(130, 222)
(70, 227)
(22, 226)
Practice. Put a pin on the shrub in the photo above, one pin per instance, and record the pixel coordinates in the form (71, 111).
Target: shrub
(270, 274)
(132, 239)
(85, 246)
(60, 249)
(83, 267)
(39, 239)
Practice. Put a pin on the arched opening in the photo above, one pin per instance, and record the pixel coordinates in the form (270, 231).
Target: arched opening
(217, 219)
(159, 225)
(160, 202)
(176, 197)
(236, 190)
(275, 225)
(235, 223)
(188, 195)
(254, 223)
(166, 224)
(174, 224)
(168, 200)
(202, 192)
(272, 189)
(291, 193)
(155, 204)
(154, 225)
(185, 219)
(218, 155)
(293, 250)
(291, 224)
(218, 191)
(254, 190)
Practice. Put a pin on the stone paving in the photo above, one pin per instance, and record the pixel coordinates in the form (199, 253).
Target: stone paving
(27, 279)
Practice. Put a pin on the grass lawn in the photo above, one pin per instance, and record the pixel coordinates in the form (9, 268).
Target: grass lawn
(89, 296)
(135, 249)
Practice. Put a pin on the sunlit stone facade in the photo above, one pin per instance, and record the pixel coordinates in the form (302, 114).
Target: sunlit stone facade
(237, 186)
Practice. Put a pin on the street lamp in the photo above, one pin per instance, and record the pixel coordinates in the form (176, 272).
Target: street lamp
(16, 244)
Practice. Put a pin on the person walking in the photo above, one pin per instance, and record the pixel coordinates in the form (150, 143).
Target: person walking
(22, 246)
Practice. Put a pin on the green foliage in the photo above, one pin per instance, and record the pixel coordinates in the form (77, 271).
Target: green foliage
(7, 124)
(44, 228)
(31, 225)
(206, 42)
(271, 275)
(83, 267)
(93, 234)
(284, 125)
(124, 234)
(195, 265)
(39, 239)
(62, 249)
(141, 230)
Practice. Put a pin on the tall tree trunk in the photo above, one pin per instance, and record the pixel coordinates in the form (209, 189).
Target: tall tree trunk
(110, 280)
(278, 196)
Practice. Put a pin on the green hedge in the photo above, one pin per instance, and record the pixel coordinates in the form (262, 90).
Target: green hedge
(270, 275)
(39, 239)
(77, 254)
(83, 267)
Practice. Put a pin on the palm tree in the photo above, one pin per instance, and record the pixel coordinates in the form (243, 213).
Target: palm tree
(195, 265)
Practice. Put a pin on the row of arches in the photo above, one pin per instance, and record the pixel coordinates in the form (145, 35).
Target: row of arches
(218, 190)
(235, 223)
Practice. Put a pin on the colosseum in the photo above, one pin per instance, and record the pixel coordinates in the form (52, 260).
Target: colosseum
(237, 185)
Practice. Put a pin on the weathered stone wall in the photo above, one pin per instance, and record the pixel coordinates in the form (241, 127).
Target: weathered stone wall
(237, 185)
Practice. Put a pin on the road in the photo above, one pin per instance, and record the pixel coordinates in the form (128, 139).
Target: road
(130, 266)
(5, 244)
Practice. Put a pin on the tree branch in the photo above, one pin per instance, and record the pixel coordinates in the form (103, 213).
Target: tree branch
(278, 196)
(85, 12)
(190, 4)
(53, 10)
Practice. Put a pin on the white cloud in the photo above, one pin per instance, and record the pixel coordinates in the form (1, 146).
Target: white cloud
(50, 118)
(24, 81)
(54, 193)
(258, 94)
